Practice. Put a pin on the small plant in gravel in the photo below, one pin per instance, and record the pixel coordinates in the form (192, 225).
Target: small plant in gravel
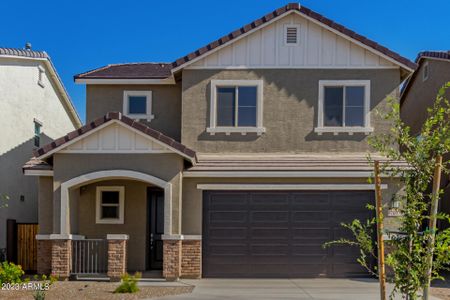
(47, 281)
(10, 273)
(129, 283)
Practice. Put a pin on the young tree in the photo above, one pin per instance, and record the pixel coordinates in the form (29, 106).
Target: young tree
(412, 247)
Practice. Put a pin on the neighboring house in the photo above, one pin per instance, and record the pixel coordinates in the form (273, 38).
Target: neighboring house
(34, 109)
(239, 159)
(419, 93)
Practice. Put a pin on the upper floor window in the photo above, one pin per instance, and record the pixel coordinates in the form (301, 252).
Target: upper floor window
(138, 104)
(426, 71)
(344, 106)
(37, 133)
(236, 106)
(110, 202)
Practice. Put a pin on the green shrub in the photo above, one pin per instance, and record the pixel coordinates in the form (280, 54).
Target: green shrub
(39, 295)
(129, 284)
(10, 273)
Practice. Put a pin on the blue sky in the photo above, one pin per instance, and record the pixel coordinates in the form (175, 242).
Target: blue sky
(82, 35)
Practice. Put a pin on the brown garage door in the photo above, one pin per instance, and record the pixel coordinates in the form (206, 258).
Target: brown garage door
(280, 234)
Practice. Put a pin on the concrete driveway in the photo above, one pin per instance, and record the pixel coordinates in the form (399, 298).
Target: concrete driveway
(277, 289)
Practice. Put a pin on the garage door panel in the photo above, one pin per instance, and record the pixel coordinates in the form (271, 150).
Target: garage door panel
(280, 234)
(269, 233)
(310, 216)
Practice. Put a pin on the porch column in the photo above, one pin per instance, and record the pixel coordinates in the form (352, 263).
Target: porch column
(44, 254)
(172, 248)
(117, 255)
(61, 257)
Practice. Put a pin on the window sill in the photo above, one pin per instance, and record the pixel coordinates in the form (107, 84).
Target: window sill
(241, 130)
(140, 117)
(109, 221)
(348, 130)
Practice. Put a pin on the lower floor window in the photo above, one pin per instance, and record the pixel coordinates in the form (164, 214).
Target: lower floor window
(110, 204)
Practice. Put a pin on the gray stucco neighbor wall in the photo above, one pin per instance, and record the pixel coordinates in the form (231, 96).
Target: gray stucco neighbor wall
(290, 110)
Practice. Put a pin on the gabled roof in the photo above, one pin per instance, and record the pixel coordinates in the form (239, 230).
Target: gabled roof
(442, 55)
(147, 70)
(62, 142)
(129, 71)
(43, 56)
(282, 11)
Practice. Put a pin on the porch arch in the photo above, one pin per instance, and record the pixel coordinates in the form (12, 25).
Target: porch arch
(115, 174)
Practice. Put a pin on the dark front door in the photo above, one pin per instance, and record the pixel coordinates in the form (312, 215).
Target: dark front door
(155, 230)
(280, 233)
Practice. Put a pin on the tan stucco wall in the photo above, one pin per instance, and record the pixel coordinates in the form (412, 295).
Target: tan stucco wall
(166, 106)
(193, 197)
(422, 94)
(21, 100)
(135, 219)
(164, 166)
(290, 110)
(45, 199)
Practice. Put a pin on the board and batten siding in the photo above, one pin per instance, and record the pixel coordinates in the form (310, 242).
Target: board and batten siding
(317, 47)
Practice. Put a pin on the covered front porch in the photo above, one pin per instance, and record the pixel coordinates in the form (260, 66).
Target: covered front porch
(110, 202)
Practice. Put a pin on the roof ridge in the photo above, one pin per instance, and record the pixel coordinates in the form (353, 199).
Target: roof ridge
(23, 52)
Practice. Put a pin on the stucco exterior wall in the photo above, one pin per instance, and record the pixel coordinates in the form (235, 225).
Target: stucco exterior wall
(21, 100)
(193, 197)
(45, 201)
(422, 94)
(135, 218)
(289, 110)
(164, 166)
(166, 106)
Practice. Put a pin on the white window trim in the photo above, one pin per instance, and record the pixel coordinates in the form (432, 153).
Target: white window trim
(258, 129)
(148, 94)
(426, 74)
(98, 201)
(366, 129)
(285, 28)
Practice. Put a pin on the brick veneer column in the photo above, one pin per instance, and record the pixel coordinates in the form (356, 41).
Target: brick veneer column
(191, 259)
(117, 255)
(61, 258)
(44, 256)
(172, 259)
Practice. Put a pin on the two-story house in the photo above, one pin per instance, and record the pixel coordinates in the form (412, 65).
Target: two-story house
(34, 109)
(418, 94)
(239, 159)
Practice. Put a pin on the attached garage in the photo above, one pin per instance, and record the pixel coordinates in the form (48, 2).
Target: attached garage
(269, 234)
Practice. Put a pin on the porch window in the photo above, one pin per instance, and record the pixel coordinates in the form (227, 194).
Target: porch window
(236, 106)
(138, 104)
(110, 204)
(344, 106)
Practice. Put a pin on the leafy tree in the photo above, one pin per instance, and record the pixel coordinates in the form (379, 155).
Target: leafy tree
(409, 249)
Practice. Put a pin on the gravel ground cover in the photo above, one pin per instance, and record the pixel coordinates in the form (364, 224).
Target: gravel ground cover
(81, 290)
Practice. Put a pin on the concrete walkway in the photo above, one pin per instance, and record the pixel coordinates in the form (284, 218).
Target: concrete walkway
(278, 289)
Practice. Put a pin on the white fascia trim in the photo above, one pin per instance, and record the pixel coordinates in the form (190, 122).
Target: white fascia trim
(278, 187)
(122, 237)
(309, 67)
(38, 173)
(182, 66)
(282, 174)
(63, 146)
(165, 81)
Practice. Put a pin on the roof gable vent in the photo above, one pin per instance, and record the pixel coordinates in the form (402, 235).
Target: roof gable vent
(291, 33)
